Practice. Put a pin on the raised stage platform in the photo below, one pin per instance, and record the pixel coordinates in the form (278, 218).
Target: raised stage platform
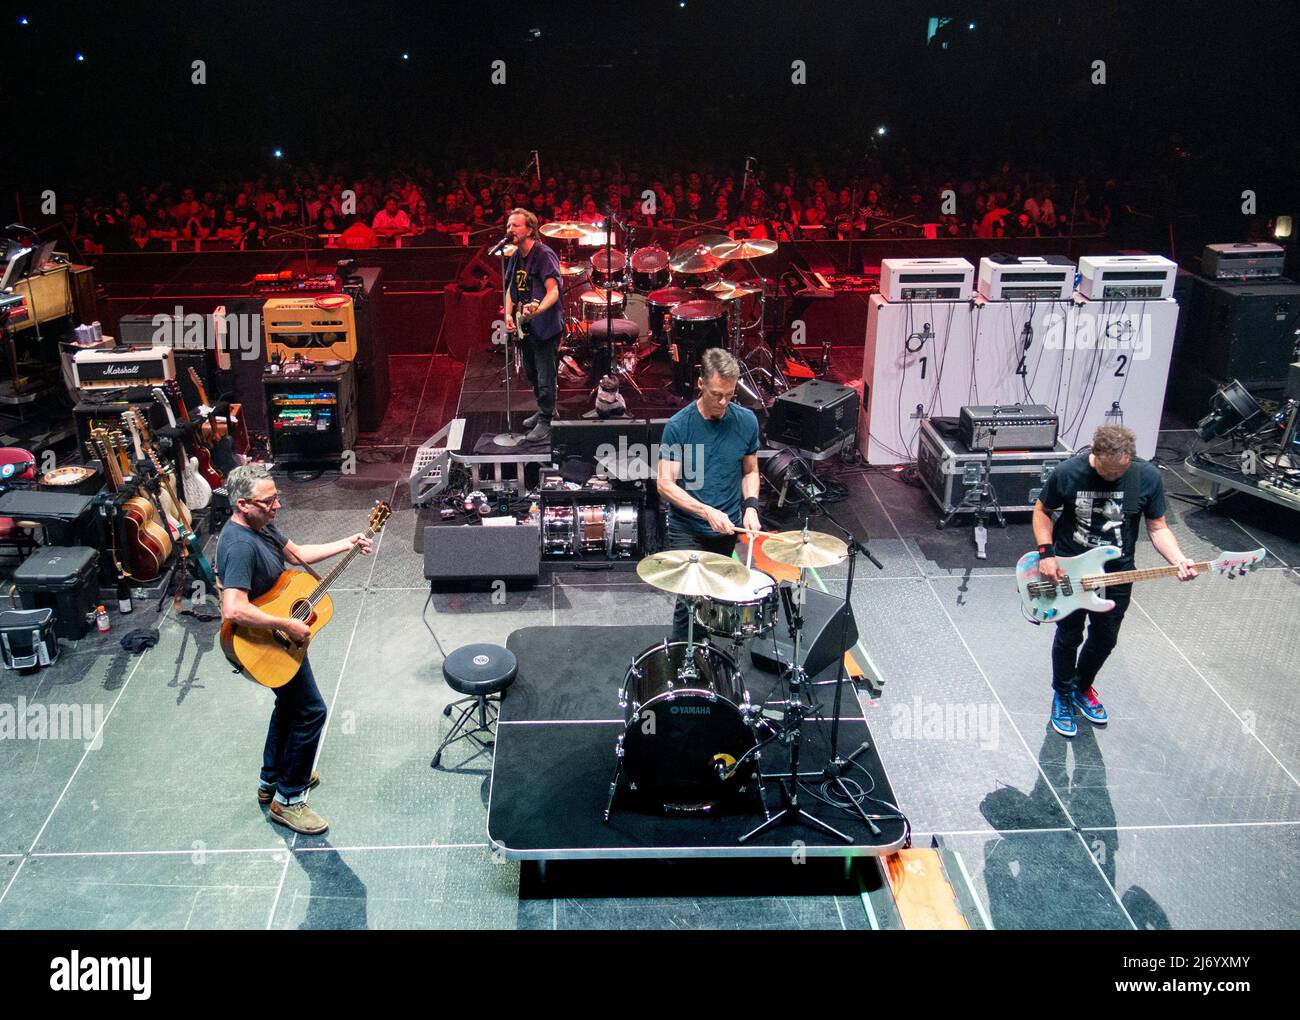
(554, 759)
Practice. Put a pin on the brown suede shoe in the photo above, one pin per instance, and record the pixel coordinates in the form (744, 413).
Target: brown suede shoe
(298, 817)
(266, 796)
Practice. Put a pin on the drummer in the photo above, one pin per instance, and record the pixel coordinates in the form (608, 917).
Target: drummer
(708, 468)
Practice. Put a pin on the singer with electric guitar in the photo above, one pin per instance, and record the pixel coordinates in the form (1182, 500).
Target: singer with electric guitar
(1101, 495)
(251, 561)
(533, 281)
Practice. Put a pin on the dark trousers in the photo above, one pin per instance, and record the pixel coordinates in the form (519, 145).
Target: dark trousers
(296, 724)
(680, 538)
(1073, 669)
(539, 358)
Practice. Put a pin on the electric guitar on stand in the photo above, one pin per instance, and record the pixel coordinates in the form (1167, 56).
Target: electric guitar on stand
(1044, 602)
(271, 657)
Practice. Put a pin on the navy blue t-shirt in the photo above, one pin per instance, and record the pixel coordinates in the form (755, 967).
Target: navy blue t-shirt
(527, 276)
(710, 453)
(1097, 512)
(251, 560)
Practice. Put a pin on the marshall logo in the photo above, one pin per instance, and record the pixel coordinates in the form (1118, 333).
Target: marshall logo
(122, 369)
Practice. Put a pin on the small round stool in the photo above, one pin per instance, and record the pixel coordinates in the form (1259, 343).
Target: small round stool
(483, 673)
(624, 330)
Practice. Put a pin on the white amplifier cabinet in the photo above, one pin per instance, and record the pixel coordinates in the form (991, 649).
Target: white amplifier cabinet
(1026, 278)
(926, 279)
(1126, 277)
(1243, 261)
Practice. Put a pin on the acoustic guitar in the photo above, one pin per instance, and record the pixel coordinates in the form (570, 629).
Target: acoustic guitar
(147, 543)
(271, 657)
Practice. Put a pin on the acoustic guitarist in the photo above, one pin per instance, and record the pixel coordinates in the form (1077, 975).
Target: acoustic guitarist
(250, 558)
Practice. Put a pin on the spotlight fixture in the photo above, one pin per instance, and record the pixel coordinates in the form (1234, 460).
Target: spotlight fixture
(1231, 408)
(881, 130)
(277, 153)
(1282, 228)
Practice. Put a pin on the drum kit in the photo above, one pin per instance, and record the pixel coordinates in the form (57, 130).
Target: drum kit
(692, 739)
(677, 304)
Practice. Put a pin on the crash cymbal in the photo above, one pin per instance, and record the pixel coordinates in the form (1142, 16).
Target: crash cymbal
(750, 248)
(698, 259)
(693, 572)
(805, 549)
(725, 290)
(709, 241)
(564, 230)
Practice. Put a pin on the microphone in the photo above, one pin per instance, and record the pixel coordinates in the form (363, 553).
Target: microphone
(496, 248)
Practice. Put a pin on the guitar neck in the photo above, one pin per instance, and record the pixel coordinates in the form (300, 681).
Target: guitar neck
(336, 570)
(1129, 576)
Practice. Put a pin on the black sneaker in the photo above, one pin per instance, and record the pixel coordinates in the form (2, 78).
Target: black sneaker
(532, 420)
(540, 433)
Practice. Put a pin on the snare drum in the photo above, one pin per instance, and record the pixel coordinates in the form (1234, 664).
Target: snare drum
(749, 616)
(679, 730)
(559, 533)
(622, 536)
(594, 304)
(649, 269)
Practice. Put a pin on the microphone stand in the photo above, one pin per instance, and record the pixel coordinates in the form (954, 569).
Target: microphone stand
(611, 221)
(509, 437)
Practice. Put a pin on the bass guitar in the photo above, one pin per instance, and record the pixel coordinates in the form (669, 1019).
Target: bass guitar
(1043, 601)
(271, 657)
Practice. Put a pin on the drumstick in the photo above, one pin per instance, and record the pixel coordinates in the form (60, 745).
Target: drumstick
(755, 531)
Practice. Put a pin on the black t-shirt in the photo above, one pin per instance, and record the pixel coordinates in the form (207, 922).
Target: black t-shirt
(527, 276)
(251, 560)
(1096, 512)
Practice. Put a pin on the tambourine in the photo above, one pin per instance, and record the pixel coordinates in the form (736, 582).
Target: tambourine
(72, 475)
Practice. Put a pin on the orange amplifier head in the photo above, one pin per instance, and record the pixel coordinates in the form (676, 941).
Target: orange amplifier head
(321, 328)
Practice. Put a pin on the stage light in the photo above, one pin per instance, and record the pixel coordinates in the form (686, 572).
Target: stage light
(971, 26)
(80, 58)
(277, 153)
(406, 56)
(881, 130)
(536, 33)
(1231, 408)
(23, 20)
(1282, 228)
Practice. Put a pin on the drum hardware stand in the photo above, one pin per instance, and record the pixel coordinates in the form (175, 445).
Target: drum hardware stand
(981, 497)
(509, 437)
(795, 713)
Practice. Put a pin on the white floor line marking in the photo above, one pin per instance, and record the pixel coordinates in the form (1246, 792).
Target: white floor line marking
(86, 754)
(1191, 825)
(1239, 525)
(890, 517)
(1113, 891)
(424, 388)
(1205, 680)
(975, 896)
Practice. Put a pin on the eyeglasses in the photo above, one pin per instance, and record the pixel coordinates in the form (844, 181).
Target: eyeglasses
(266, 504)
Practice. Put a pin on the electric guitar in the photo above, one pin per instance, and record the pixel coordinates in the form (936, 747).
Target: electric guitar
(522, 315)
(198, 442)
(194, 487)
(1044, 602)
(271, 657)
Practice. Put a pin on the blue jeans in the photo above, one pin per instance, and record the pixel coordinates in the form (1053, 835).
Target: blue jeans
(680, 538)
(293, 735)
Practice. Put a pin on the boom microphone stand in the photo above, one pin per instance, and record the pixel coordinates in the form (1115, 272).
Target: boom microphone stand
(509, 437)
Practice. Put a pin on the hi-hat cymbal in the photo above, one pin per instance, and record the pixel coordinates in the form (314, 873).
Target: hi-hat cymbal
(693, 572)
(564, 230)
(725, 290)
(749, 248)
(805, 549)
(573, 268)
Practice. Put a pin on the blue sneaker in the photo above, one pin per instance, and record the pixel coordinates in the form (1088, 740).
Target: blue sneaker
(1063, 715)
(1093, 710)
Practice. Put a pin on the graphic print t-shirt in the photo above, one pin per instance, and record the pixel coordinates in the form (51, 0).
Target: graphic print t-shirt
(1097, 512)
(527, 276)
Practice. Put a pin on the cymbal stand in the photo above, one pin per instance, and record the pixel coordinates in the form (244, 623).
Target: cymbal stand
(796, 710)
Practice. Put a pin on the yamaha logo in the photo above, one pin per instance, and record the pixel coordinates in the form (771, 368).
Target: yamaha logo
(481, 660)
(690, 710)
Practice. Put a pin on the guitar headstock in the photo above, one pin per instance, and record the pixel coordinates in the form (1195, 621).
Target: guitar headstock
(379, 515)
(1234, 564)
(173, 390)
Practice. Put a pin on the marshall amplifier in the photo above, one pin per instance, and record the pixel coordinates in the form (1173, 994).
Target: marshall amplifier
(814, 417)
(1019, 427)
(112, 369)
(1242, 261)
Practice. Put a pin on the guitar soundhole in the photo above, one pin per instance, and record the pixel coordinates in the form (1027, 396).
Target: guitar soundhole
(302, 610)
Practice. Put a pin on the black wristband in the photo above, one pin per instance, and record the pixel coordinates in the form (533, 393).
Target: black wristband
(1046, 550)
(752, 503)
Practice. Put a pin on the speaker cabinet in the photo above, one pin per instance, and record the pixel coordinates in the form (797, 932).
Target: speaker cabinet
(472, 554)
(823, 641)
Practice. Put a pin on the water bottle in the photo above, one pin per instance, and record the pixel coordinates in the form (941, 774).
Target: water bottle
(101, 619)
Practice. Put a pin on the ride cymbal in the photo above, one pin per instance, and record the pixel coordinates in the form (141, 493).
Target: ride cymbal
(805, 549)
(693, 572)
(750, 248)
